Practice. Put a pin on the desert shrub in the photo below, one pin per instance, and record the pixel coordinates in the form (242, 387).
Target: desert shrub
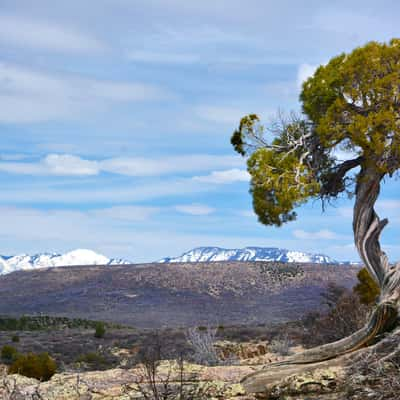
(94, 360)
(46, 322)
(366, 289)
(345, 315)
(375, 373)
(221, 328)
(40, 366)
(15, 339)
(8, 353)
(100, 330)
(281, 345)
(202, 328)
(154, 383)
(202, 342)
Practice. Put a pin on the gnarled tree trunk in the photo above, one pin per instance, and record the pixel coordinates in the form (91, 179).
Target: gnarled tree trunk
(367, 228)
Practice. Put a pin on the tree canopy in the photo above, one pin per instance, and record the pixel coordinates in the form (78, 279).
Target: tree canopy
(350, 105)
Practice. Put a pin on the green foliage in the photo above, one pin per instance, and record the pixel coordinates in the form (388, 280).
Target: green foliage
(8, 353)
(354, 100)
(279, 183)
(94, 360)
(15, 339)
(366, 289)
(248, 124)
(100, 330)
(40, 366)
(202, 328)
(46, 322)
(352, 104)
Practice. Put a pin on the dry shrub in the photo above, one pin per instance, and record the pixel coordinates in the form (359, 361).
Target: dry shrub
(374, 377)
(281, 345)
(202, 341)
(167, 383)
(346, 314)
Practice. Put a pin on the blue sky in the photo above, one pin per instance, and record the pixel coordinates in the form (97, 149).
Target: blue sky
(116, 116)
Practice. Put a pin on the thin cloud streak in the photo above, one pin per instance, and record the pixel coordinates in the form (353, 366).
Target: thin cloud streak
(28, 33)
(33, 96)
(224, 177)
(195, 209)
(67, 164)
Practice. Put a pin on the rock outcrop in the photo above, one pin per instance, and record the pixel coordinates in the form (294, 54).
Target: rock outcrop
(220, 382)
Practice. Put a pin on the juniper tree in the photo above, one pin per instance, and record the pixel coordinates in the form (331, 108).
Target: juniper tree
(351, 105)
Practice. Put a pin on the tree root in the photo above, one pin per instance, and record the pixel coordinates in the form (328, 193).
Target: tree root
(383, 319)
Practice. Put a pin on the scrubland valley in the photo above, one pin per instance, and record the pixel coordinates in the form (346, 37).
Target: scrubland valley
(194, 330)
(174, 295)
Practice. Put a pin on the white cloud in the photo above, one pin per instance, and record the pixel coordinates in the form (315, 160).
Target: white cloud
(322, 234)
(195, 209)
(304, 72)
(69, 165)
(28, 33)
(45, 193)
(53, 164)
(223, 177)
(166, 165)
(65, 164)
(32, 96)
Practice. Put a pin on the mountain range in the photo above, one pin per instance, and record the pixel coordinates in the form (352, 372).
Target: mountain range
(208, 254)
(200, 254)
(44, 260)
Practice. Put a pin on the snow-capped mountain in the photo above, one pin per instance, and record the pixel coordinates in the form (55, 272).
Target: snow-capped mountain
(203, 254)
(76, 257)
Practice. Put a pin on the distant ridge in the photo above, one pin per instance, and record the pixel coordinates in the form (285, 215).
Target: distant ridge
(208, 254)
(44, 260)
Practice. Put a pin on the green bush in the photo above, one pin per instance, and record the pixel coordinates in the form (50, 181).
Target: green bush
(202, 328)
(8, 353)
(94, 360)
(45, 322)
(15, 339)
(366, 289)
(39, 366)
(100, 330)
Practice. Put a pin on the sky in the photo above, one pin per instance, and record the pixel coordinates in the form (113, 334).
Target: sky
(116, 117)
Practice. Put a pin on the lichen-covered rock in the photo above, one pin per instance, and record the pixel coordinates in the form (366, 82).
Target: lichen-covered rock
(120, 384)
(242, 351)
(319, 381)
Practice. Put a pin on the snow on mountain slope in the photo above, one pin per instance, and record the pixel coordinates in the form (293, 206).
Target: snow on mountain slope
(203, 254)
(44, 260)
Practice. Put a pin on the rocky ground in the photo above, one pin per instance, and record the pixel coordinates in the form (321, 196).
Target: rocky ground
(154, 364)
(370, 373)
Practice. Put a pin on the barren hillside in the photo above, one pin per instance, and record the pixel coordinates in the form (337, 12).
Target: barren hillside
(156, 295)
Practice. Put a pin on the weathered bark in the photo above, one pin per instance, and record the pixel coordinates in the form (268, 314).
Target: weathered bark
(367, 228)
